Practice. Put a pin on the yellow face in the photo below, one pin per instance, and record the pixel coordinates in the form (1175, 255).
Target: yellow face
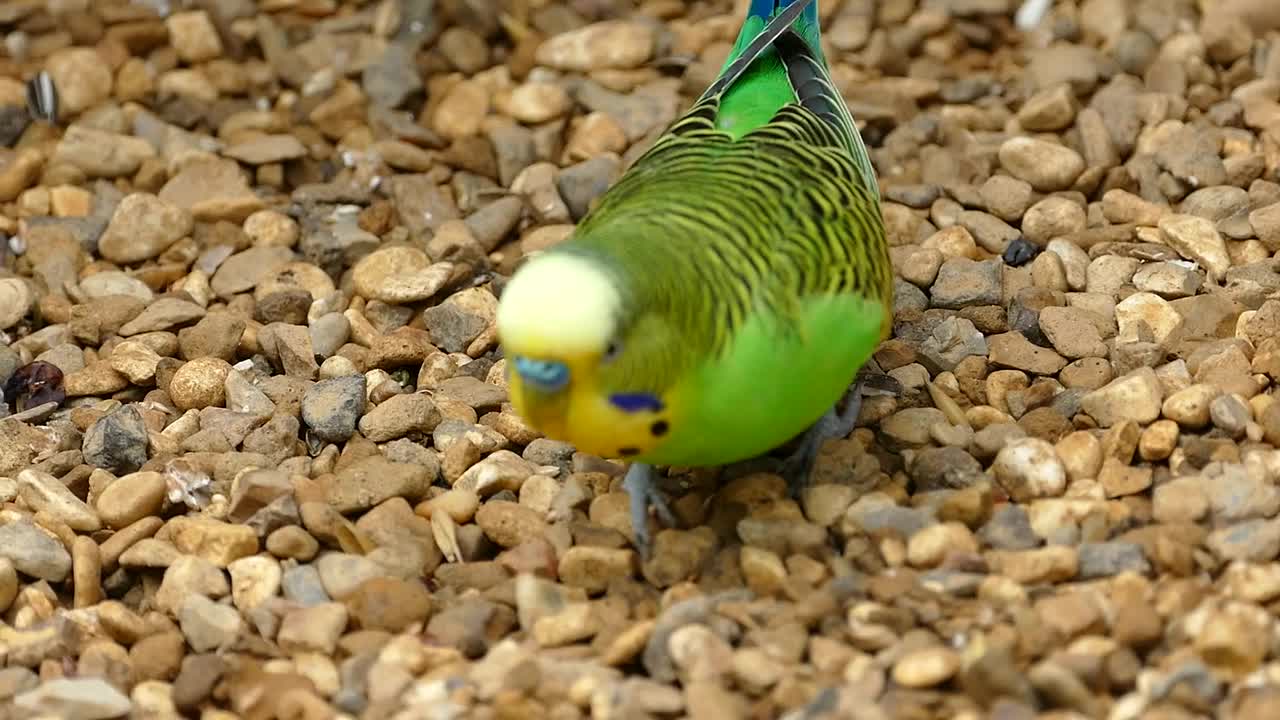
(581, 412)
(556, 323)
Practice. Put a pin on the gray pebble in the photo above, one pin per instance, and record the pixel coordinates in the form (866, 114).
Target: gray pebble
(1105, 559)
(117, 442)
(332, 408)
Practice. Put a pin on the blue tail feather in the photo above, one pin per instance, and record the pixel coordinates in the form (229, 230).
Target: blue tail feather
(766, 9)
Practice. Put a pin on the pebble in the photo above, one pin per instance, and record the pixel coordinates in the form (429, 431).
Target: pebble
(1049, 109)
(242, 271)
(942, 468)
(101, 154)
(208, 625)
(1136, 396)
(926, 667)
(455, 323)
(8, 583)
(509, 524)
(1108, 559)
(398, 416)
(931, 546)
(242, 397)
(1009, 529)
(1265, 222)
(1052, 564)
(1118, 479)
(535, 102)
(991, 233)
(270, 228)
(332, 408)
(1146, 317)
(254, 580)
(200, 383)
(604, 45)
(373, 480)
(302, 584)
(964, 283)
(162, 314)
(16, 300)
(118, 441)
(1121, 206)
(82, 77)
(34, 552)
(218, 542)
(1169, 280)
(43, 492)
(135, 361)
(1072, 333)
(292, 542)
(389, 604)
(594, 568)
(1158, 440)
(83, 698)
(762, 570)
(1029, 468)
(129, 499)
(313, 629)
(1014, 350)
(1230, 414)
(1195, 238)
(1189, 407)
(461, 111)
(1051, 218)
(18, 170)
(194, 37)
(212, 189)
(142, 227)
(1047, 166)
(400, 275)
(572, 624)
(266, 149)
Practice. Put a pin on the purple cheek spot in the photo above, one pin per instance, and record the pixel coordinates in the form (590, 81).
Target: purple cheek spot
(636, 402)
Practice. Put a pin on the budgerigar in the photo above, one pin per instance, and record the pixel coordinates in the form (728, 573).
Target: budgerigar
(723, 294)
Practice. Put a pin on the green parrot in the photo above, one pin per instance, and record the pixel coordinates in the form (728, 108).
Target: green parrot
(721, 297)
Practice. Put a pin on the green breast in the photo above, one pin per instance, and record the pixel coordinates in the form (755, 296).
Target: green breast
(771, 385)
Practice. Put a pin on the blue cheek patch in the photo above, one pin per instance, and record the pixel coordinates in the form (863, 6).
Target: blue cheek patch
(545, 375)
(636, 402)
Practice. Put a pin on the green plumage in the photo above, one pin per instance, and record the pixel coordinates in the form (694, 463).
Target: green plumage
(749, 250)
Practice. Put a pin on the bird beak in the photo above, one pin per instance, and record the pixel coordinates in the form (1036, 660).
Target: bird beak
(543, 411)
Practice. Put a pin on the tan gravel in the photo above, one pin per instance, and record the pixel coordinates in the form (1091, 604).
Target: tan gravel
(256, 455)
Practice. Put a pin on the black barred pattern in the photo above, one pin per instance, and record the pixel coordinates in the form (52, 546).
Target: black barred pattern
(706, 229)
(815, 92)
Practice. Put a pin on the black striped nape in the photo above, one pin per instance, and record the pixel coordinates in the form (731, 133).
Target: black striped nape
(724, 227)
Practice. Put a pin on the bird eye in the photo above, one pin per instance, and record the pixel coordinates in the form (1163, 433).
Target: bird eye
(545, 375)
(611, 352)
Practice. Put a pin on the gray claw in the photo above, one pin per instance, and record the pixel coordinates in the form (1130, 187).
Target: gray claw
(641, 485)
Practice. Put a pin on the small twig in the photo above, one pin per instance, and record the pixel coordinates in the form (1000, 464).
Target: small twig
(38, 412)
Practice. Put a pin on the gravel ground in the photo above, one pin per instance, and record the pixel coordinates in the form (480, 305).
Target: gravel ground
(258, 460)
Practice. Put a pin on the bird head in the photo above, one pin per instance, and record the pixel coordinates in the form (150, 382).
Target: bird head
(561, 322)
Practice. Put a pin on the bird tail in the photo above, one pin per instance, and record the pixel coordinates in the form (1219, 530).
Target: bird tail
(761, 28)
(766, 9)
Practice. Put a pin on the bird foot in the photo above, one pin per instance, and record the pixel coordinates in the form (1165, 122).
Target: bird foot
(798, 467)
(641, 485)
